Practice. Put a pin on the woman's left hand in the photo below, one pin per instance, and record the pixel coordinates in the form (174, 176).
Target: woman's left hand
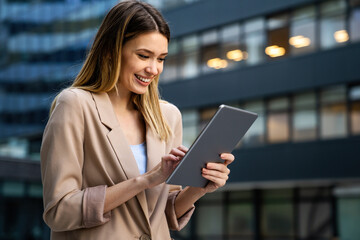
(217, 173)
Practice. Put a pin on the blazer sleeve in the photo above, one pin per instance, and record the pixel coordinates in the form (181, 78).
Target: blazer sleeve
(176, 223)
(66, 205)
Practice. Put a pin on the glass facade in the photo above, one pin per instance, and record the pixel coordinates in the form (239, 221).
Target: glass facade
(303, 30)
(43, 44)
(20, 211)
(283, 213)
(327, 113)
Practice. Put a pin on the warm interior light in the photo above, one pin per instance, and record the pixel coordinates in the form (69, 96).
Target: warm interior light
(235, 55)
(217, 63)
(275, 51)
(299, 41)
(341, 36)
(245, 55)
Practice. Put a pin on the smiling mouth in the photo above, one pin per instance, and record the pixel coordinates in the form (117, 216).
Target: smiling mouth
(145, 80)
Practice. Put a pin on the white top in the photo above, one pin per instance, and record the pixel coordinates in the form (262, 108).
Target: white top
(140, 155)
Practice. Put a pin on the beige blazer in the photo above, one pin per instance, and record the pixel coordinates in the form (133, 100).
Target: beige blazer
(84, 151)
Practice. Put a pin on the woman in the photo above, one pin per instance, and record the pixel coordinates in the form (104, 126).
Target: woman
(108, 128)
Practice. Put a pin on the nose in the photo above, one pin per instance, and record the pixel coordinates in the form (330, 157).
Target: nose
(152, 68)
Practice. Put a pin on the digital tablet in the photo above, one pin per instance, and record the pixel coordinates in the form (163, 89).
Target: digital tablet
(220, 135)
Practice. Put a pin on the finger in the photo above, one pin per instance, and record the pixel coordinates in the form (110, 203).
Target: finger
(218, 167)
(227, 157)
(177, 152)
(217, 181)
(216, 174)
(183, 148)
(170, 157)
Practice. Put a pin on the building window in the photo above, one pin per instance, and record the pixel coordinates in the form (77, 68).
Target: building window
(170, 67)
(232, 48)
(254, 31)
(256, 134)
(278, 120)
(315, 213)
(209, 217)
(304, 117)
(240, 215)
(278, 36)
(355, 109)
(333, 112)
(190, 54)
(354, 21)
(332, 23)
(190, 119)
(205, 116)
(13, 189)
(348, 208)
(277, 215)
(210, 60)
(302, 30)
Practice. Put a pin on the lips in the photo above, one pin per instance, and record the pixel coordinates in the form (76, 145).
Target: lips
(142, 79)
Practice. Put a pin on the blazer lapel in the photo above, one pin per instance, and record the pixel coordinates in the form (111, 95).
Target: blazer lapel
(119, 143)
(155, 151)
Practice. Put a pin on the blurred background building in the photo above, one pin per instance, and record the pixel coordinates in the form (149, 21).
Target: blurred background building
(296, 63)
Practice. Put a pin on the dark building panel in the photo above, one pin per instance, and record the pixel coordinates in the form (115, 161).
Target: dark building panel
(330, 160)
(16, 169)
(212, 13)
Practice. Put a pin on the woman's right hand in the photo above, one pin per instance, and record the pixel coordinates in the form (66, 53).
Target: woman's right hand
(168, 163)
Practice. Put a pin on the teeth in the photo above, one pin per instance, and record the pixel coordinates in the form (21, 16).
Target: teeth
(146, 80)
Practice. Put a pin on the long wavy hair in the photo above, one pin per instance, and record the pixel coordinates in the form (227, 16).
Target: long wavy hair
(101, 69)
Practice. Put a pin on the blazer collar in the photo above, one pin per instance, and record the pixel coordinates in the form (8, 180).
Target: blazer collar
(105, 110)
(155, 147)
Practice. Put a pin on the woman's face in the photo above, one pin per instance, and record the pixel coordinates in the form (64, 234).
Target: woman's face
(141, 61)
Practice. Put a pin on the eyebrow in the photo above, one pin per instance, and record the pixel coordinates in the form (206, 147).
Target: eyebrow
(150, 52)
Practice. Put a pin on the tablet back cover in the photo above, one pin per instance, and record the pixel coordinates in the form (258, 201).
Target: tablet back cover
(220, 135)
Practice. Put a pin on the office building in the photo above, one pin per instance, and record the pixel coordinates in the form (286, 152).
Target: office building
(295, 63)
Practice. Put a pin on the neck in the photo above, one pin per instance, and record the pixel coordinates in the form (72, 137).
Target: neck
(121, 99)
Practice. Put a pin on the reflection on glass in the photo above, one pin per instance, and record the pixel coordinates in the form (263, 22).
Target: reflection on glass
(277, 215)
(348, 209)
(355, 93)
(13, 189)
(332, 20)
(302, 30)
(205, 116)
(210, 52)
(333, 112)
(278, 120)
(255, 40)
(314, 220)
(256, 134)
(189, 63)
(232, 49)
(354, 22)
(209, 220)
(170, 66)
(332, 7)
(240, 219)
(190, 119)
(304, 118)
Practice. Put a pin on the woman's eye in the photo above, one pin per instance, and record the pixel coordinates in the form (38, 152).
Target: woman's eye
(143, 56)
(161, 59)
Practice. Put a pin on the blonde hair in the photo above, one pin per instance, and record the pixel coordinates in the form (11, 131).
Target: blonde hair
(101, 69)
